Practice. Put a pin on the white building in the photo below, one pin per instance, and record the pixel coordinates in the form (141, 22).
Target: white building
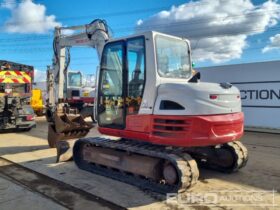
(259, 85)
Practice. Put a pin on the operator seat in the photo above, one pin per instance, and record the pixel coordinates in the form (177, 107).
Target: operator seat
(134, 86)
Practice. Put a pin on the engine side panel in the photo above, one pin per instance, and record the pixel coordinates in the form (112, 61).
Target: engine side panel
(182, 131)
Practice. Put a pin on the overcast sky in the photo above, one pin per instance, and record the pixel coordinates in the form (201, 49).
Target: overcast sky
(221, 31)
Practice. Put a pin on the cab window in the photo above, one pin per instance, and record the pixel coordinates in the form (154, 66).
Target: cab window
(111, 94)
(136, 74)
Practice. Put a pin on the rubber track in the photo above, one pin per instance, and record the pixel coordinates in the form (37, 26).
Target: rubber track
(184, 164)
(240, 154)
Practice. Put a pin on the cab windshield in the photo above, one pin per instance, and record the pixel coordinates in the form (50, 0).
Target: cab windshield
(173, 59)
(75, 79)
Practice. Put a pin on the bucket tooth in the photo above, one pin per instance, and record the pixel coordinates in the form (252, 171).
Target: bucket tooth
(64, 150)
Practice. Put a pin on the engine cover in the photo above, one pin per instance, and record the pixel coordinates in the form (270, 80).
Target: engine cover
(197, 99)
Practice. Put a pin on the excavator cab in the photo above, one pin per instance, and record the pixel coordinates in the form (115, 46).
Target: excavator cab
(123, 75)
(130, 74)
(147, 90)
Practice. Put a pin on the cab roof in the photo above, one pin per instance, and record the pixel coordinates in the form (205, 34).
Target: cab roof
(146, 34)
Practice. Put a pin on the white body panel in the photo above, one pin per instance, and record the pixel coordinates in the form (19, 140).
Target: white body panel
(259, 84)
(195, 98)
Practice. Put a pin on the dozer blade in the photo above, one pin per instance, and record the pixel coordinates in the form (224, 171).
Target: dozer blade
(64, 131)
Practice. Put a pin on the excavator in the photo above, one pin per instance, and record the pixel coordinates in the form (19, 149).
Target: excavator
(165, 120)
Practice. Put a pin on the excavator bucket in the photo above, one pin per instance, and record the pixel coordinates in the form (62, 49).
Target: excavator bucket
(64, 131)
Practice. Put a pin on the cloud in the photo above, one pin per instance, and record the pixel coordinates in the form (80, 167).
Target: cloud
(40, 76)
(28, 17)
(218, 29)
(8, 4)
(273, 45)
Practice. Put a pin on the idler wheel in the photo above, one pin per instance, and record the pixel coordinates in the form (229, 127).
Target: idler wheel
(170, 174)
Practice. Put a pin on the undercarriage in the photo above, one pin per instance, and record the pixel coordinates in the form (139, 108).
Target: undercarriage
(153, 167)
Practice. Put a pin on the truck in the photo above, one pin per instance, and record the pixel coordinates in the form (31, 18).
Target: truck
(15, 93)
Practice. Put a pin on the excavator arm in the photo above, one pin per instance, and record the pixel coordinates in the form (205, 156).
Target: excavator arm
(63, 125)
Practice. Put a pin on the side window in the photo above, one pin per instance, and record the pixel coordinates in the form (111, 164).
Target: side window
(111, 107)
(136, 74)
(112, 68)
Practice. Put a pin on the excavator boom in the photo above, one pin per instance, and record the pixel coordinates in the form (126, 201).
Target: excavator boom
(65, 123)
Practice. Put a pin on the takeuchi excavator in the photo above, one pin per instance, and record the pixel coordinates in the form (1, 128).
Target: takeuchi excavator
(167, 121)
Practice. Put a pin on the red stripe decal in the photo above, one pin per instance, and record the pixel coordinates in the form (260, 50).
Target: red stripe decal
(1, 80)
(15, 81)
(26, 80)
(18, 72)
(7, 73)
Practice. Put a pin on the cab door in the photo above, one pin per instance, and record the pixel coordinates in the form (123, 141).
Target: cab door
(136, 72)
(122, 81)
(111, 94)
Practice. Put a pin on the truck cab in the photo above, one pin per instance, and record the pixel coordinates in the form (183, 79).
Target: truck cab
(15, 93)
